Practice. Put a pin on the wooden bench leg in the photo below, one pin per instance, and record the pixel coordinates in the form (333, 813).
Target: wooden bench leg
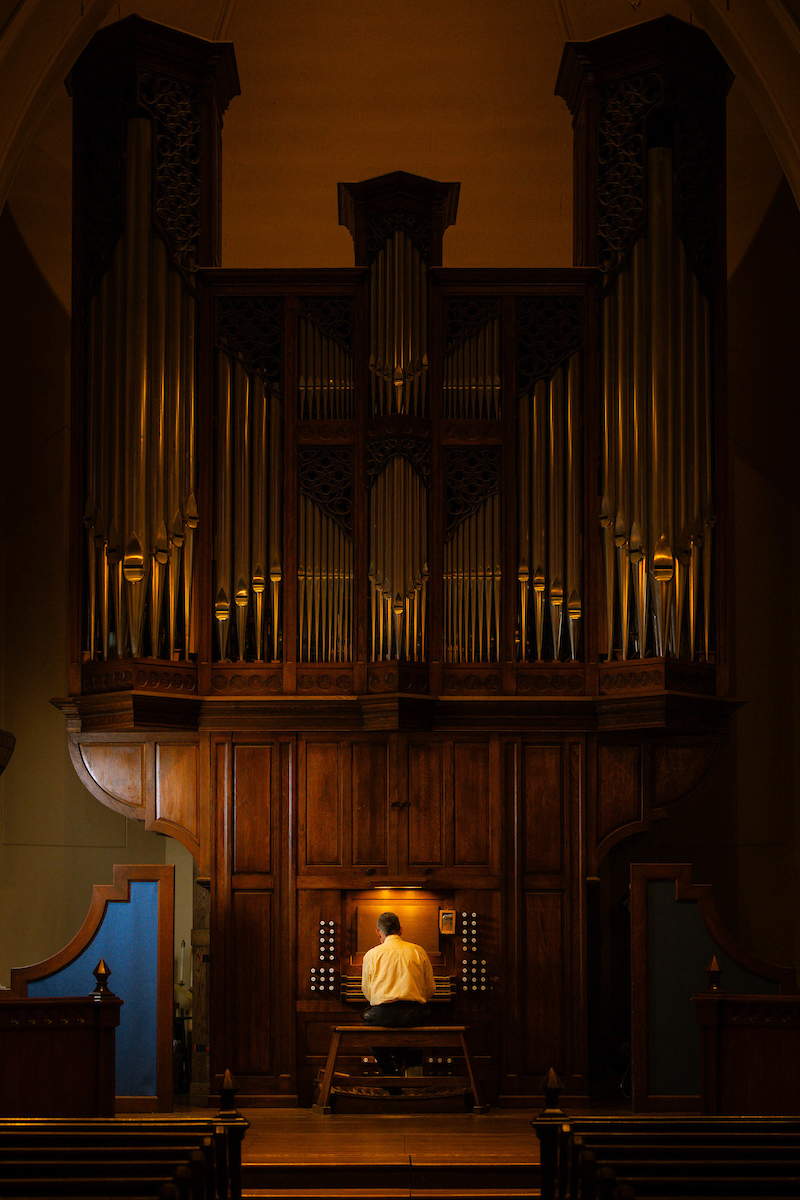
(478, 1109)
(322, 1105)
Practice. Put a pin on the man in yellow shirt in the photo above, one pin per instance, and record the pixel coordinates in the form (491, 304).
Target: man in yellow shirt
(397, 979)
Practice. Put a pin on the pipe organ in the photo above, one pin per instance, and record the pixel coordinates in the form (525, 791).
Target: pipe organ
(398, 576)
(660, 135)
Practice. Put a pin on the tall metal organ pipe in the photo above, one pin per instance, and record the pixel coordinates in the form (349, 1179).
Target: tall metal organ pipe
(398, 563)
(247, 514)
(657, 507)
(140, 504)
(549, 516)
(398, 361)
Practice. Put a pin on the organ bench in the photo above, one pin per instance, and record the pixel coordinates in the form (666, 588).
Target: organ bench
(431, 1036)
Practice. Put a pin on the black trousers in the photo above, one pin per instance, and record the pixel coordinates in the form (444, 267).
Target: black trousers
(400, 1014)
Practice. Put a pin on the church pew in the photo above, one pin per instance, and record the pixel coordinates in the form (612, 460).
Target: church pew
(188, 1159)
(660, 1157)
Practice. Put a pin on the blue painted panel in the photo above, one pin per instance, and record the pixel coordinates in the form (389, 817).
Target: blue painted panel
(128, 940)
(679, 948)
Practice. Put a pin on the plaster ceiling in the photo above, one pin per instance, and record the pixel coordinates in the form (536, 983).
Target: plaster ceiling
(452, 89)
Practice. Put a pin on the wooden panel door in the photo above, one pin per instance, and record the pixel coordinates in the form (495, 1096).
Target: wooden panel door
(550, 1003)
(450, 797)
(253, 1014)
(251, 979)
(428, 827)
(476, 806)
(369, 804)
(343, 808)
(321, 783)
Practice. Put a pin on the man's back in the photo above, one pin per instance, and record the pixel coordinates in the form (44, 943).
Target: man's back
(397, 970)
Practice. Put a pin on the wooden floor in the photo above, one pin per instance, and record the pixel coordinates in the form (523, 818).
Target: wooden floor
(278, 1136)
(294, 1152)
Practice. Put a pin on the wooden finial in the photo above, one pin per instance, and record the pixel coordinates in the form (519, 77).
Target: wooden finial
(552, 1088)
(227, 1095)
(713, 971)
(101, 973)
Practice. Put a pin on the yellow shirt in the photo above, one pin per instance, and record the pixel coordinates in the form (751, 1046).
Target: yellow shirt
(397, 970)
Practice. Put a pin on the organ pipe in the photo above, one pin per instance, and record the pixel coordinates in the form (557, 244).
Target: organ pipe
(574, 521)
(549, 508)
(398, 360)
(398, 563)
(472, 578)
(657, 413)
(247, 513)
(275, 492)
(472, 373)
(137, 245)
(223, 500)
(258, 529)
(325, 374)
(140, 506)
(325, 586)
(189, 510)
(242, 515)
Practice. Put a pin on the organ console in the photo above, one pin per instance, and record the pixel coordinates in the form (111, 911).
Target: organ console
(398, 574)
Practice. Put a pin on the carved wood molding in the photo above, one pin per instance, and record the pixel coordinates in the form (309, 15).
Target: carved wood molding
(132, 674)
(249, 682)
(552, 681)
(159, 779)
(333, 682)
(471, 680)
(326, 432)
(387, 677)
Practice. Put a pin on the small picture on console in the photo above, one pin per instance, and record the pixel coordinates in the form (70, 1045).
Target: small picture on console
(447, 920)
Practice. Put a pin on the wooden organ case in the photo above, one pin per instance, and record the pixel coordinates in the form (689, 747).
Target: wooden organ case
(398, 585)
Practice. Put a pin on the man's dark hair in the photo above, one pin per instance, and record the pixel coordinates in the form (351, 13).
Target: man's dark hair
(388, 924)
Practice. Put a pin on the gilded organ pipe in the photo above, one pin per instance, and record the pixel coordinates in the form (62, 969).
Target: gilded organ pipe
(657, 427)
(398, 558)
(325, 374)
(175, 450)
(549, 521)
(637, 348)
(223, 500)
(472, 573)
(136, 529)
(258, 529)
(574, 606)
(539, 508)
(472, 372)
(398, 360)
(241, 504)
(275, 516)
(140, 501)
(523, 519)
(191, 516)
(325, 586)
(556, 506)
(157, 386)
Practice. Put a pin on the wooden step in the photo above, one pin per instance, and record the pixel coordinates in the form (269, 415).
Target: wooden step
(391, 1194)
(390, 1179)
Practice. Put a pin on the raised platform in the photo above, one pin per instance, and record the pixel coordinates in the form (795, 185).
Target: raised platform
(289, 1153)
